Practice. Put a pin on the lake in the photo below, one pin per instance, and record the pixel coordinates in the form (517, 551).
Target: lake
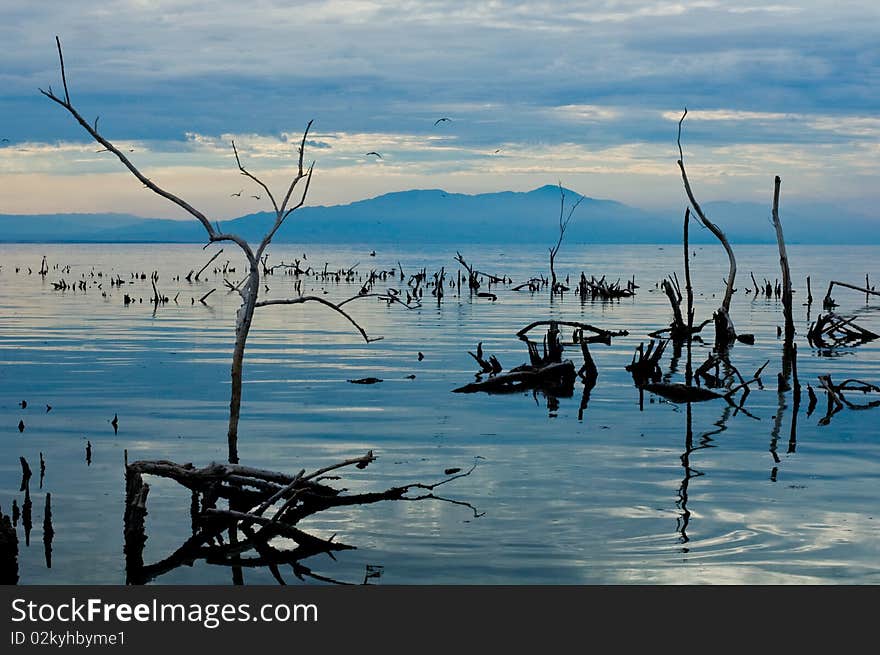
(612, 494)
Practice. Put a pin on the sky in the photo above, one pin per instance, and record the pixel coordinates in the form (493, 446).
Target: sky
(584, 93)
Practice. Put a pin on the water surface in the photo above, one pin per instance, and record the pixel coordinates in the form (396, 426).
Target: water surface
(616, 496)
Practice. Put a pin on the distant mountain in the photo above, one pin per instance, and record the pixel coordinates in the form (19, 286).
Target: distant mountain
(435, 216)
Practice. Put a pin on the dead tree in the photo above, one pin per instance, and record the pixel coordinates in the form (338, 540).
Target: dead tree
(473, 282)
(725, 332)
(783, 263)
(555, 286)
(249, 290)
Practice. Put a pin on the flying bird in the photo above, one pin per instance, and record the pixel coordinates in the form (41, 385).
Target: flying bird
(442, 120)
(373, 152)
(257, 197)
(238, 195)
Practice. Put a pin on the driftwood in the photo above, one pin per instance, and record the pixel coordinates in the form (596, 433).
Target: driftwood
(248, 494)
(645, 364)
(557, 378)
(601, 289)
(679, 330)
(532, 284)
(491, 366)
(830, 331)
(474, 275)
(189, 276)
(829, 303)
(546, 370)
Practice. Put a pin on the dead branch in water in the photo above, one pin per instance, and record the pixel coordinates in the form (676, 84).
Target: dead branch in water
(645, 364)
(202, 269)
(724, 329)
(546, 371)
(603, 290)
(249, 493)
(829, 303)
(831, 331)
(491, 366)
(783, 263)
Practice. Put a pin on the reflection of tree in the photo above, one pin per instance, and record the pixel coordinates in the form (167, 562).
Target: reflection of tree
(254, 540)
(704, 441)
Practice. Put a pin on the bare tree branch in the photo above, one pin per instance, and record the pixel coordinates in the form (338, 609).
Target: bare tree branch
(304, 299)
(714, 229)
(213, 234)
(253, 177)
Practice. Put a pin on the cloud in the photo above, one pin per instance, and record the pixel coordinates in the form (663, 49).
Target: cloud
(178, 81)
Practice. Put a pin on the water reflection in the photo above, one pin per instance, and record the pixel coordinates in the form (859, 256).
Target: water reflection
(48, 531)
(704, 441)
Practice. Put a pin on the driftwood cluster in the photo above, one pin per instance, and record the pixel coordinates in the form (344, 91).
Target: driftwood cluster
(601, 289)
(252, 507)
(546, 369)
(830, 331)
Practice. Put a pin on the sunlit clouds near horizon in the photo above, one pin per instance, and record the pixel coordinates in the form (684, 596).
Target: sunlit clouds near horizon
(586, 93)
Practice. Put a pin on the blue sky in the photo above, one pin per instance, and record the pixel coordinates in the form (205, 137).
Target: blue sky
(587, 93)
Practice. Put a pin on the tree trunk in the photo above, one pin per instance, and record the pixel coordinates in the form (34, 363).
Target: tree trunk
(243, 321)
(786, 273)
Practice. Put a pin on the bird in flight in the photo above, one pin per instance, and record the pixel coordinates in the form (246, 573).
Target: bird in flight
(238, 195)
(442, 120)
(373, 152)
(257, 197)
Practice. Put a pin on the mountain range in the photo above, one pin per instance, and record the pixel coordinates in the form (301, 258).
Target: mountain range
(435, 216)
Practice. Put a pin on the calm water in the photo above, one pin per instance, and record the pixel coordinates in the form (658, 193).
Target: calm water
(603, 499)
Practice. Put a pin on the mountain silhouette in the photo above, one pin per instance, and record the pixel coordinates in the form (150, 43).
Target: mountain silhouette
(424, 216)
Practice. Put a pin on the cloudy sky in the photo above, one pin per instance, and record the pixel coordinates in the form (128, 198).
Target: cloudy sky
(587, 93)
